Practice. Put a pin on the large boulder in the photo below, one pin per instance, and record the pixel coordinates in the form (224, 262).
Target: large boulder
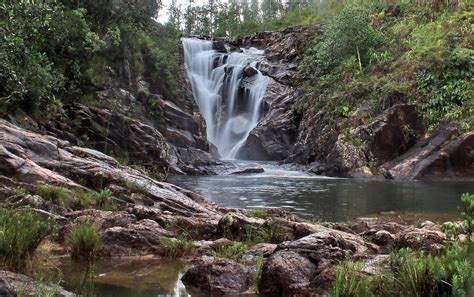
(221, 276)
(307, 265)
(287, 273)
(443, 155)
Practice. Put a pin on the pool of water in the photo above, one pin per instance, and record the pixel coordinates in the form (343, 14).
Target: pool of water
(329, 199)
(124, 278)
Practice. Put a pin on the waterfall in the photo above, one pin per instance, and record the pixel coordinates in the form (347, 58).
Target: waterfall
(230, 109)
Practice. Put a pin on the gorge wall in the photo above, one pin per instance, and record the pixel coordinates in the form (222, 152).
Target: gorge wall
(393, 144)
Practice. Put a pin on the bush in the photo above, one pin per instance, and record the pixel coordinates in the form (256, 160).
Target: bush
(85, 241)
(103, 201)
(21, 231)
(235, 251)
(177, 247)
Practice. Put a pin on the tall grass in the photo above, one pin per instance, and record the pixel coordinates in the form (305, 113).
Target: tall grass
(85, 241)
(21, 231)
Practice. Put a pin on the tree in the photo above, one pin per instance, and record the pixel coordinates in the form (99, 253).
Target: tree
(350, 33)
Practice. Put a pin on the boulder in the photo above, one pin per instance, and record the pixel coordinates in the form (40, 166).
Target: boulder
(287, 273)
(218, 276)
(307, 266)
(12, 283)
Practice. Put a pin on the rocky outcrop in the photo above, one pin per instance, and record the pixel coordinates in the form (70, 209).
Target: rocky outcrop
(219, 276)
(15, 284)
(272, 139)
(445, 154)
(307, 265)
(114, 134)
(34, 159)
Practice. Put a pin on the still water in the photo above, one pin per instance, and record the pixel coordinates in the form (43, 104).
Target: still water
(329, 199)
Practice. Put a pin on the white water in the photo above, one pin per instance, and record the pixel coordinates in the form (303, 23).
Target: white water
(216, 80)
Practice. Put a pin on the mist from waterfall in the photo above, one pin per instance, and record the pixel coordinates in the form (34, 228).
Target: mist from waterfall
(230, 109)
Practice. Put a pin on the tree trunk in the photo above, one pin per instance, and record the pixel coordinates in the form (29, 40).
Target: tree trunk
(358, 58)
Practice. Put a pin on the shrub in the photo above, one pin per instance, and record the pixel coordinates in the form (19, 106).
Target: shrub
(258, 213)
(103, 201)
(410, 273)
(467, 201)
(85, 241)
(235, 251)
(21, 231)
(177, 247)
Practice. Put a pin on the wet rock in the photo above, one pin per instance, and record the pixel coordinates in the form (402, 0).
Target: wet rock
(13, 283)
(115, 134)
(287, 273)
(221, 276)
(272, 139)
(392, 133)
(143, 236)
(248, 170)
(312, 260)
(250, 71)
(6, 289)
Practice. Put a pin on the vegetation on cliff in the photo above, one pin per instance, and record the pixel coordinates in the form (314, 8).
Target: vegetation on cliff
(55, 52)
(378, 56)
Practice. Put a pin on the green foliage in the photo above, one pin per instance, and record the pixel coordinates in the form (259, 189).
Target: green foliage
(52, 52)
(413, 56)
(349, 281)
(54, 194)
(258, 272)
(103, 200)
(76, 199)
(258, 213)
(85, 241)
(235, 251)
(177, 247)
(410, 273)
(467, 214)
(268, 233)
(21, 231)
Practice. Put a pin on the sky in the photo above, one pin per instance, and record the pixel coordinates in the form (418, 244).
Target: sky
(163, 15)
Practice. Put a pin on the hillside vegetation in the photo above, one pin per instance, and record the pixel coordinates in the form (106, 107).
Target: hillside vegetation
(55, 52)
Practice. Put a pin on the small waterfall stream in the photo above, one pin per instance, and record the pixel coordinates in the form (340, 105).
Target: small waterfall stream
(230, 109)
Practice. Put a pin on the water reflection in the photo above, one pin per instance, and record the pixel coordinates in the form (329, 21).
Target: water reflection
(125, 278)
(328, 199)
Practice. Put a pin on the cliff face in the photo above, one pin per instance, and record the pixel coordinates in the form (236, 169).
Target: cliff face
(394, 144)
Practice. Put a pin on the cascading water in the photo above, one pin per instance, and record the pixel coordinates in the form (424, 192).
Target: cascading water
(216, 80)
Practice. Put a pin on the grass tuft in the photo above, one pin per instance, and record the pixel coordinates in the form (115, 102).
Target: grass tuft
(85, 241)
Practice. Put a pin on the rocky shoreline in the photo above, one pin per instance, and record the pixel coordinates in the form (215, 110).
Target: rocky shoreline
(296, 256)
